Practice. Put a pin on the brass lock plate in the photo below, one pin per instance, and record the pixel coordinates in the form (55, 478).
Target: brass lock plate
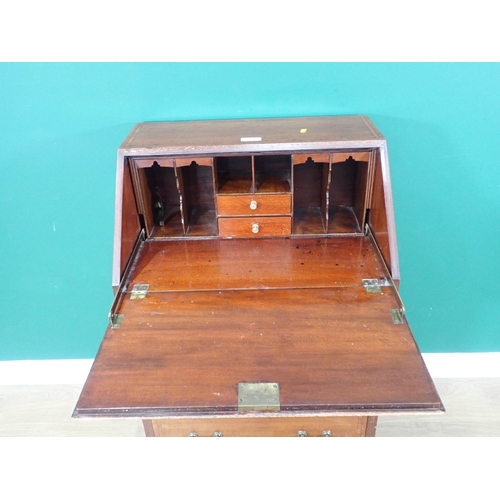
(258, 396)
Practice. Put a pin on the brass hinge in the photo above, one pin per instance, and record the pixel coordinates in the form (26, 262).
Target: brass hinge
(139, 292)
(116, 320)
(397, 316)
(388, 279)
(372, 286)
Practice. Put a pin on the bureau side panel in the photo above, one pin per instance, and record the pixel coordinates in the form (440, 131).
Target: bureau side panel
(381, 219)
(128, 223)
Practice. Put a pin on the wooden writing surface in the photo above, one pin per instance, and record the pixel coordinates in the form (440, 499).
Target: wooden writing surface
(330, 345)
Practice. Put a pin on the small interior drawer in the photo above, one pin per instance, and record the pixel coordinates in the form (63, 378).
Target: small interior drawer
(258, 204)
(245, 227)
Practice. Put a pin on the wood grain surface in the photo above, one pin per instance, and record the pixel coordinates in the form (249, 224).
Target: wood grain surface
(330, 349)
(378, 212)
(130, 225)
(191, 136)
(258, 427)
(254, 227)
(278, 204)
(266, 263)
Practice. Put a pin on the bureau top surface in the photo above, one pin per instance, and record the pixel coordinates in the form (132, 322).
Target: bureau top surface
(250, 134)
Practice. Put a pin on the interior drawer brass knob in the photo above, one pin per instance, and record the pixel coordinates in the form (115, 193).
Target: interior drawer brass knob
(301, 434)
(193, 435)
(255, 228)
(217, 434)
(326, 434)
(253, 205)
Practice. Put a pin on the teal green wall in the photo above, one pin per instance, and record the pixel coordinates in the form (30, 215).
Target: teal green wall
(60, 126)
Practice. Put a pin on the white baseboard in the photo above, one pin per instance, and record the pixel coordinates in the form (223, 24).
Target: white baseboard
(75, 371)
(463, 364)
(44, 372)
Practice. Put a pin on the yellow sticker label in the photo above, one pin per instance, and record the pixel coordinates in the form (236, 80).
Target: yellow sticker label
(303, 130)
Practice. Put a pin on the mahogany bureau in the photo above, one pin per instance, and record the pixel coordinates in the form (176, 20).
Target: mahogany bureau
(256, 281)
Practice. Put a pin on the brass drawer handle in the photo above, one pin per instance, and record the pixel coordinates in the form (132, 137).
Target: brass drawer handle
(326, 434)
(255, 228)
(301, 434)
(193, 434)
(253, 205)
(217, 434)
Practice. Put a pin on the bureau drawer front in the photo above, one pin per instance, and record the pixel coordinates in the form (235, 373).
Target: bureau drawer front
(245, 227)
(260, 426)
(279, 204)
